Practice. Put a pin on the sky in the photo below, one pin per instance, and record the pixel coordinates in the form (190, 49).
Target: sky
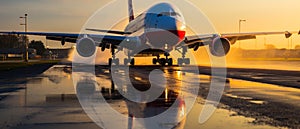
(71, 15)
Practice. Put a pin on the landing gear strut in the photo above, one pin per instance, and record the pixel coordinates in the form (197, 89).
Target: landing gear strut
(163, 61)
(183, 60)
(116, 61)
(113, 60)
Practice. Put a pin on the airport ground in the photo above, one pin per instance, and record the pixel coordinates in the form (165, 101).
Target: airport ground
(43, 96)
(15, 64)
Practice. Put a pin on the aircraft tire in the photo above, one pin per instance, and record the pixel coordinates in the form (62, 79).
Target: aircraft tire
(187, 61)
(162, 62)
(154, 61)
(110, 61)
(170, 61)
(132, 62)
(180, 61)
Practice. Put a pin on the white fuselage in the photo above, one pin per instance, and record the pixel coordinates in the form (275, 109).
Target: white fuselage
(162, 26)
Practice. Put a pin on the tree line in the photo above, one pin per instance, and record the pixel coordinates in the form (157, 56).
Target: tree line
(18, 42)
(12, 41)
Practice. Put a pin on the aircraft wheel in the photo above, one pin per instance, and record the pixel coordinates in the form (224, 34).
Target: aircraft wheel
(170, 61)
(126, 61)
(109, 61)
(162, 62)
(187, 61)
(113, 61)
(154, 61)
(180, 61)
(116, 61)
(132, 62)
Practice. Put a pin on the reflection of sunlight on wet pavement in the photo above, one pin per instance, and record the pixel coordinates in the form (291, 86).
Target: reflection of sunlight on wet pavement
(222, 118)
(50, 101)
(264, 91)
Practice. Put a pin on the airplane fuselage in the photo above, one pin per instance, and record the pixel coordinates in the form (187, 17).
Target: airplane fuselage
(162, 27)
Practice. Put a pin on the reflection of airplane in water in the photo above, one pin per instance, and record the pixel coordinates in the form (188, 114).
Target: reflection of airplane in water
(159, 30)
(169, 102)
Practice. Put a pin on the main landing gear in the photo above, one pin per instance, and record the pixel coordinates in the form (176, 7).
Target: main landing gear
(113, 60)
(163, 61)
(183, 60)
(116, 61)
(169, 61)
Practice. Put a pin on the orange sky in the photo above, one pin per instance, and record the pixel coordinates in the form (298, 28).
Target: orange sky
(70, 16)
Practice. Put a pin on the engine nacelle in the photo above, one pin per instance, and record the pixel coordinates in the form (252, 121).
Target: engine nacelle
(86, 47)
(131, 43)
(219, 47)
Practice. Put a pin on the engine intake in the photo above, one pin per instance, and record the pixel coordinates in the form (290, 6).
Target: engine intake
(219, 47)
(86, 47)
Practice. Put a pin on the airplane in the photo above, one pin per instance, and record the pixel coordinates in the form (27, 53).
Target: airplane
(157, 31)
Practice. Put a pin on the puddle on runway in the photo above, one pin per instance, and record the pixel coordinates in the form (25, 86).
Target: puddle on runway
(257, 102)
(49, 100)
(222, 119)
(235, 96)
(29, 107)
(255, 90)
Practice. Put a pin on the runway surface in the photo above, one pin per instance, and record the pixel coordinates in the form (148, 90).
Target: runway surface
(45, 97)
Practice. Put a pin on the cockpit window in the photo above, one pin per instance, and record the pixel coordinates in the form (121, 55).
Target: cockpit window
(168, 14)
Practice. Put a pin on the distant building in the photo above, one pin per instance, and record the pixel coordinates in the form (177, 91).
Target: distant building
(16, 53)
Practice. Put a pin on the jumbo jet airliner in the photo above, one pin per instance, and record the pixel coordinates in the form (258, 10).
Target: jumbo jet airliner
(158, 31)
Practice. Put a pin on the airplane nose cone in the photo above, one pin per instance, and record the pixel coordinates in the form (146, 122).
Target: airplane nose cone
(168, 31)
(180, 27)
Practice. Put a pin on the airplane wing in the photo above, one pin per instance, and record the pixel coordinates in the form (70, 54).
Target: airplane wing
(109, 31)
(232, 37)
(214, 40)
(72, 37)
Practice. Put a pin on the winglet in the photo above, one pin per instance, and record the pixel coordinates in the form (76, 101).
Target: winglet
(288, 34)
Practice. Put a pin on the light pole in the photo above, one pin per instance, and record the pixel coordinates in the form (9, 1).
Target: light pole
(240, 23)
(26, 43)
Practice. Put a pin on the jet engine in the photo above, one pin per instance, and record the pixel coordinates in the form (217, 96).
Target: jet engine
(219, 47)
(86, 47)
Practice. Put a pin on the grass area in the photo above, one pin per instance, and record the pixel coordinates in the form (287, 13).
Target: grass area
(6, 66)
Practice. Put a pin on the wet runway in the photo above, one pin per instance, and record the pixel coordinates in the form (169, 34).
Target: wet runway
(49, 100)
